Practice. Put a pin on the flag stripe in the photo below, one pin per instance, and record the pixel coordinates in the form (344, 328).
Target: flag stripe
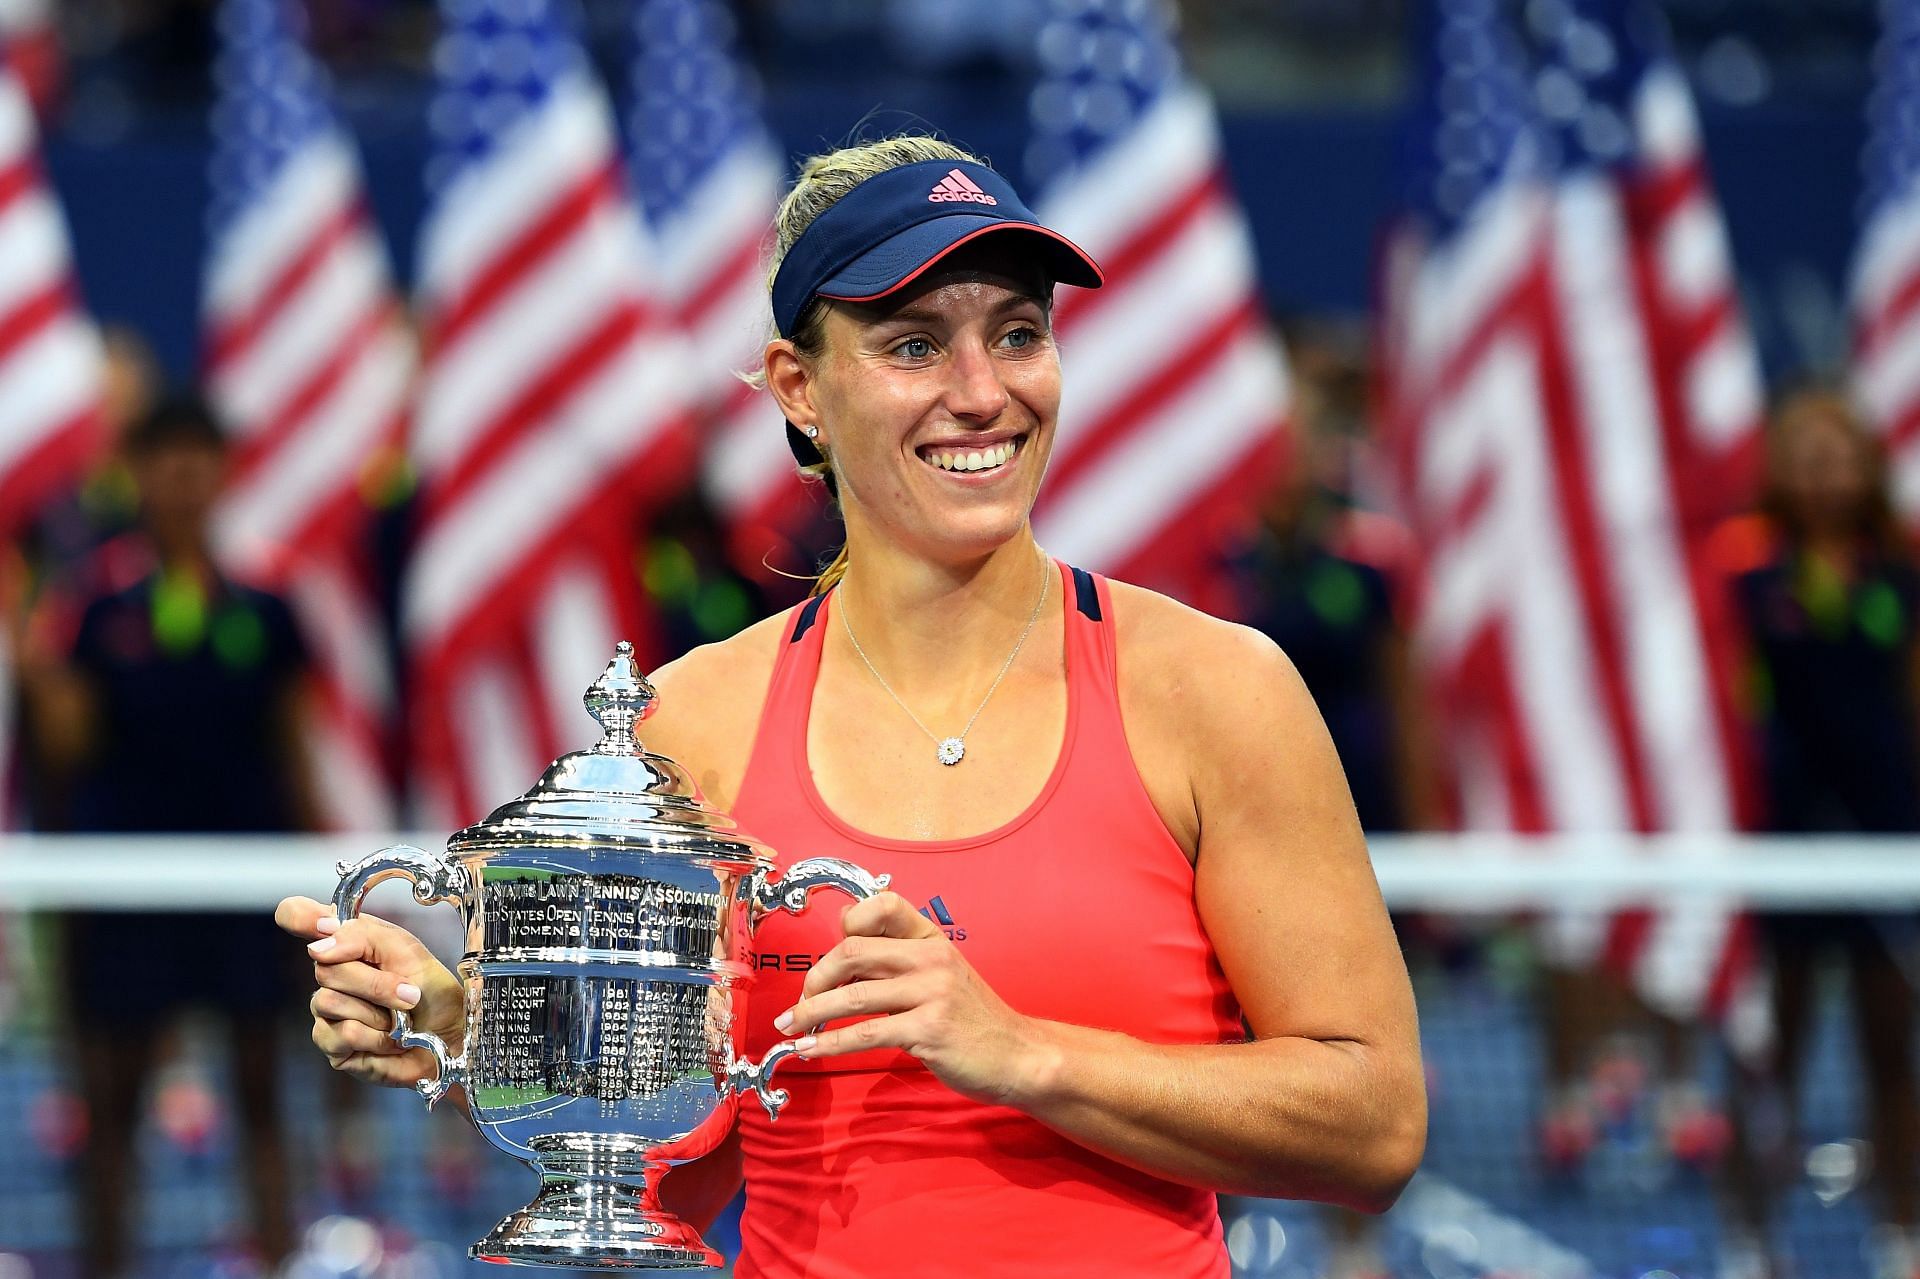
(610, 338)
(1226, 409)
(16, 181)
(233, 336)
(1137, 253)
(558, 223)
(279, 423)
(353, 281)
(288, 493)
(741, 270)
(1145, 405)
(1106, 352)
(37, 470)
(29, 315)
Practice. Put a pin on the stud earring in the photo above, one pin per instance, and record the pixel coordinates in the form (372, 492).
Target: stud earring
(813, 432)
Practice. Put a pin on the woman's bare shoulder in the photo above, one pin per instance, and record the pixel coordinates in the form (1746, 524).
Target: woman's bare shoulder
(1171, 651)
(709, 706)
(1195, 693)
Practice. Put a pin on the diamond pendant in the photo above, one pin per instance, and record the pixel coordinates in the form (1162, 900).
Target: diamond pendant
(952, 751)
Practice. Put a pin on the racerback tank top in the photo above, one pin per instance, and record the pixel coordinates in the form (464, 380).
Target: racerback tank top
(1079, 910)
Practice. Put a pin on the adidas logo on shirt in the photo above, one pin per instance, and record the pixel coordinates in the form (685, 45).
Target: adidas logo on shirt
(957, 187)
(936, 910)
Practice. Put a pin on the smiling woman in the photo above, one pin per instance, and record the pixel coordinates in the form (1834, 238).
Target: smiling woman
(1134, 954)
(946, 210)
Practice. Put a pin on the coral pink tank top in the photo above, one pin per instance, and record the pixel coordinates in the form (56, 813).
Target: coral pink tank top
(1078, 910)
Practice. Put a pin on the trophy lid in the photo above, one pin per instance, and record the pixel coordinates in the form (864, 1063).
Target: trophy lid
(614, 792)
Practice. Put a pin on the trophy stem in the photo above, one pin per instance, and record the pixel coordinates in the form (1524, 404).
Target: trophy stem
(597, 1222)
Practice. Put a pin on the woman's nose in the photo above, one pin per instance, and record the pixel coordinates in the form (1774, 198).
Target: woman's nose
(975, 389)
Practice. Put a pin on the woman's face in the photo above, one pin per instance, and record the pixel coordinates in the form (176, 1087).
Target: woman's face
(1823, 473)
(937, 406)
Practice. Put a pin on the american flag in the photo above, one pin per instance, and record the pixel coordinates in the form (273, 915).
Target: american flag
(709, 176)
(1886, 274)
(550, 413)
(309, 360)
(1561, 346)
(51, 424)
(1176, 390)
(50, 392)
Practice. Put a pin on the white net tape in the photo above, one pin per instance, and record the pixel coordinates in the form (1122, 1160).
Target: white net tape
(1470, 872)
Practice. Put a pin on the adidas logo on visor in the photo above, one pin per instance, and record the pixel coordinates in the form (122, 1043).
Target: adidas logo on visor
(957, 187)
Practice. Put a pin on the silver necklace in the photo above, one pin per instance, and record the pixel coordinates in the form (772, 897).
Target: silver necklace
(951, 750)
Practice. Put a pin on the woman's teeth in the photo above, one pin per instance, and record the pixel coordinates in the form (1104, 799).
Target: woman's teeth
(975, 460)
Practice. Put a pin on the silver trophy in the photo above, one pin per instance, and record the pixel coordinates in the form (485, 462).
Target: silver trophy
(608, 916)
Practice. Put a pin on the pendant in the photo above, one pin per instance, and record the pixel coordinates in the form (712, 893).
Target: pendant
(952, 751)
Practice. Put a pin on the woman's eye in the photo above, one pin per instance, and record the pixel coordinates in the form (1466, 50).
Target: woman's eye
(915, 348)
(1021, 337)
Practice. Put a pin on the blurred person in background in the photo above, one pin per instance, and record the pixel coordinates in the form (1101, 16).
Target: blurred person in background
(106, 502)
(698, 593)
(178, 708)
(1830, 595)
(1316, 577)
(42, 572)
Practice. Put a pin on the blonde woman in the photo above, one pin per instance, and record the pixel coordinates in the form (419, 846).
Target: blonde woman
(1118, 834)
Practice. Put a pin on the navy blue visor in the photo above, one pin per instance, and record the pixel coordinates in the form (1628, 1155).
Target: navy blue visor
(890, 229)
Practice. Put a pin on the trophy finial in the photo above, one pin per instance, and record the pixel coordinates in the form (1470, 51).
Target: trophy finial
(619, 700)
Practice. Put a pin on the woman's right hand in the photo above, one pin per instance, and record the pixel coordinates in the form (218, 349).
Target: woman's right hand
(365, 969)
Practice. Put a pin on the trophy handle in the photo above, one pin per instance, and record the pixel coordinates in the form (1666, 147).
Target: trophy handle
(745, 1074)
(793, 889)
(434, 879)
(792, 892)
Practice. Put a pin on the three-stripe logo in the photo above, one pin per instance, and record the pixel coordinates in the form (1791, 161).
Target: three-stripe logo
(957, 187)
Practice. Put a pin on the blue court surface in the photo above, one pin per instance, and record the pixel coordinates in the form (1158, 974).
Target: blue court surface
(1481, 1207)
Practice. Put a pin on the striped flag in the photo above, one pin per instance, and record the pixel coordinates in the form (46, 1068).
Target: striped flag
(1886, 269)
(551, 410)
(1176, 390)
(1560, 344)
(309, 360)
(51, 422)
(709, 176)
(50, 389)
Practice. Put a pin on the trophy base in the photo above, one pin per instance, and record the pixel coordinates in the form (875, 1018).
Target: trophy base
(595, 1224)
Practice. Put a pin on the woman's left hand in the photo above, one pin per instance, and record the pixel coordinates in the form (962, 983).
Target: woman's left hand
(917, 993)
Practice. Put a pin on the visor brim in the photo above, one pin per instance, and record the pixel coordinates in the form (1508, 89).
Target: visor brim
(904, 257)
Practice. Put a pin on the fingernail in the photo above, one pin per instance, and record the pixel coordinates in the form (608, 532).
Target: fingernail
(320, 947)
(326, 925)
(784, 1022)
(805, 1044)
(408, 992)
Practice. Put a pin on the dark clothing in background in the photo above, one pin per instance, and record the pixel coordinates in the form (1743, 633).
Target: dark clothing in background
(1835, 718)
(1333, 617)
(189, 686)
(1837, 711)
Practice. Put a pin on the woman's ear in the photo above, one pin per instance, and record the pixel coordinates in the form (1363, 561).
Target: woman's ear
(790, 379)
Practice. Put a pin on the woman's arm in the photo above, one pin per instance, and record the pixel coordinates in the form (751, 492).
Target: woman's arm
(1327, 1102)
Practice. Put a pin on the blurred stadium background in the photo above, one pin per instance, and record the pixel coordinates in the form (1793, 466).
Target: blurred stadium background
(1441, 346)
